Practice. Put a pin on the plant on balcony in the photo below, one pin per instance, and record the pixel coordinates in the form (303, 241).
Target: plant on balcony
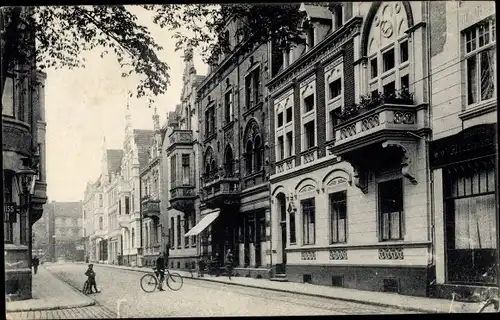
(348, 112)
(402, 96)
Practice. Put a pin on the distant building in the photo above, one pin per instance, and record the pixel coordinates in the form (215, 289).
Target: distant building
(65, 224)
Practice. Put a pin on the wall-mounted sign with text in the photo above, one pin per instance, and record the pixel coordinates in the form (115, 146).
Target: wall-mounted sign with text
(10, 212)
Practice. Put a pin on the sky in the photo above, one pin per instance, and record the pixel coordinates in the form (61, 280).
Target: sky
(82, 106)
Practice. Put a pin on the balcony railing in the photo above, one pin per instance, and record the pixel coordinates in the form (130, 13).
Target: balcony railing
(185, 191)
(285, 164)
(220, 188)
(309, 155)
(181, 136)
(150, 207)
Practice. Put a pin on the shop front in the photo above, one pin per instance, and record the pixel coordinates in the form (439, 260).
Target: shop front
(466, 217)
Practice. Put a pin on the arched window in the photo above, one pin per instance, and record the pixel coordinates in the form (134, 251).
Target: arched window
(248, 156)
(212, 166)
(388, 51)
(229, 161)
(259, 153)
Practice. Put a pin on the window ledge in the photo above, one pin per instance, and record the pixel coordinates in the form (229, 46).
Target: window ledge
(253, 108)
(479, 109)
(228, 125)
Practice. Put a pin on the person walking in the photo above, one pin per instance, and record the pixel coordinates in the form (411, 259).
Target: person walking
(160, 270)
(229, 260)
(201, 266)
(35, 262)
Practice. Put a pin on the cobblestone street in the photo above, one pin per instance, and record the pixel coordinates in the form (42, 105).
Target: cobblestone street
(91, 312)
(200, 298)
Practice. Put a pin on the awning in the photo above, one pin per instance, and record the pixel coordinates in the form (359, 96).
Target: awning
(203, 224)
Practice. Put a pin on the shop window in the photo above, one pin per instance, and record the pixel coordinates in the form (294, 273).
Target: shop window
(391, 209)
(470, 220)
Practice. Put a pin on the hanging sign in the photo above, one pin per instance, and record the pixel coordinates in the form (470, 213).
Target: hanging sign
(10, 212)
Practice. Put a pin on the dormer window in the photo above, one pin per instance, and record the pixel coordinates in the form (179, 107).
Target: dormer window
(337, 16)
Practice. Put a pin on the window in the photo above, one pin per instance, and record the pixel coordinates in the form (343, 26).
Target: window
(403, 51)
(40, 168)
(259, 154)
(280, 119)
(252, 88)
(373, 68)
(480, 62)
(333, 122)
(338, 217)
(228, 106)
(132, 239)
(471, 234)
(389, 88)
(248, 157)
(309, 103)
(101, 222)
(210, 121)
(289, 144)
(127, 205)
(281, 148)
(185, 170)
(8, 101)
(293, 232)
(338, 17)
(405, 81)
(308, 221)
(288, 114)
(173, 170)
(229, 162)
(178, 231)
(100, 201)
(388, 60)
(309, 135)
(310, 35)
(391, 209)
(335, 88)
(120, 206)
(171, 233)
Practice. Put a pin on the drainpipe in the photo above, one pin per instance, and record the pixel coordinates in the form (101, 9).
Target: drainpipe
(140, 216)
(430, 176)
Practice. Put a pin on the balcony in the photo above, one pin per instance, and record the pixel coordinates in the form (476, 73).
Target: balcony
(180, 138)
(386, 128)
(220, 189)
(182, 198)
(150, 208)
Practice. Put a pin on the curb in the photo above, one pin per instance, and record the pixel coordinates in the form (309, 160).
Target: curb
(406, 308)
(71, 306)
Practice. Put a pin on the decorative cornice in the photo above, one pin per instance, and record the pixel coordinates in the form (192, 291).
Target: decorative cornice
(322, 51)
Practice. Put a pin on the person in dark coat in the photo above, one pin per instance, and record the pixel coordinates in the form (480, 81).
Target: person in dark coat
(229, 260)
(35, 262)
(90, 273)
(201, 266)
(160, 270)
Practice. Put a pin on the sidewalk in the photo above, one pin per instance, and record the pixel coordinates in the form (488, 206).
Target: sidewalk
(49, 293)
(392, 300)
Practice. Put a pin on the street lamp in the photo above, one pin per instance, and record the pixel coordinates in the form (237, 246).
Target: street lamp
(25, 177)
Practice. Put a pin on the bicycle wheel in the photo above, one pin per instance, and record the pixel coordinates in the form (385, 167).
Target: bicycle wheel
(489, 307)
(149, 282)
(174, 281)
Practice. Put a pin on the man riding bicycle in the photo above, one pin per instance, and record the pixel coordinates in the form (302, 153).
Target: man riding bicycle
(160, 270)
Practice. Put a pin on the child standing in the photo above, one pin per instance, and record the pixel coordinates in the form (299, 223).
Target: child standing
(90, 273)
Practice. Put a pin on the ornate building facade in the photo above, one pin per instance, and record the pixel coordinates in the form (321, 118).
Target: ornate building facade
(150, 197)
(23, 174)
(234, 122)
(358, 87)
(180, 170)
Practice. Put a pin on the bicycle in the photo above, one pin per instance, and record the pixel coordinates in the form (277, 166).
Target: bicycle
(150, 281)
(86, 287)
(488, 305)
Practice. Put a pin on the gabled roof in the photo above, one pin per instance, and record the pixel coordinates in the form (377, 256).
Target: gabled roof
(114, 157)
(142, 138)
